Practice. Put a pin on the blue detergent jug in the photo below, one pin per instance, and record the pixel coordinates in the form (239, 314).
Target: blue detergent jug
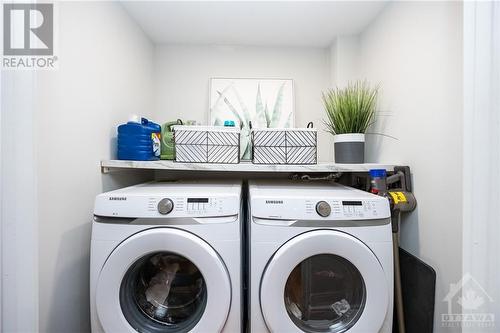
(139, 141)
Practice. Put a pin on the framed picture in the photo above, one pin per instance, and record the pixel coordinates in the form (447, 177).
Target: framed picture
(265, 103)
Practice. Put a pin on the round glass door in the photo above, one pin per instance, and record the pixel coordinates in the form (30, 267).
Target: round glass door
(163, 292)
(325, 293)
(324, 281)
(163, 280)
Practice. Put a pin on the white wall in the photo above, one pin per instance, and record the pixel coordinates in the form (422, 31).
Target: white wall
(414, 50)
(18, 208)
(345, 60)
(183, 72)
(105, 74)
(481, 156)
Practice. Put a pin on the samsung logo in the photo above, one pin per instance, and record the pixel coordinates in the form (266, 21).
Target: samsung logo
(274, 202)
(117, 198)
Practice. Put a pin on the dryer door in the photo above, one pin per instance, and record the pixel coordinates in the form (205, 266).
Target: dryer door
(163, 280)
(324, 281)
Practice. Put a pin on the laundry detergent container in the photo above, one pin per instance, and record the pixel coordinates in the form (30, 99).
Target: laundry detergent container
(139, 141)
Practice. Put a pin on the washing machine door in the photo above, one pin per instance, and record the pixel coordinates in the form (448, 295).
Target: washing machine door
(324, 281)
(163, 280)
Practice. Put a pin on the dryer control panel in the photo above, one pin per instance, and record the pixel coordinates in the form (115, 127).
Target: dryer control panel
(316, 202)
(319, 208)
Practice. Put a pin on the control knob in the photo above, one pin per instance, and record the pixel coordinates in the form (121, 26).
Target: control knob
(323, 208)
(165, 206)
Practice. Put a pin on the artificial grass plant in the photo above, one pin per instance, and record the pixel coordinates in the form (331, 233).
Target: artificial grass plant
(350, 109)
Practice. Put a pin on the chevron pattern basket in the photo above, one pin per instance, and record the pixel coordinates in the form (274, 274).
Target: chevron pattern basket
(284, 146)
(207, 144)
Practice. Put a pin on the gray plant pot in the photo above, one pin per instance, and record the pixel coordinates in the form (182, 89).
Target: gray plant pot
(349, 148)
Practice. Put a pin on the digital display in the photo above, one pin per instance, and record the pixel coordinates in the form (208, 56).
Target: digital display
(197, 200)
(352, 203)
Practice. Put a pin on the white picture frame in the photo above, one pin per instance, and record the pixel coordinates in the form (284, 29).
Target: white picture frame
(263, 102)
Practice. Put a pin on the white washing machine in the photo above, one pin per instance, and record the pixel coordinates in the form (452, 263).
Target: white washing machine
(166, 257)
(320, 259)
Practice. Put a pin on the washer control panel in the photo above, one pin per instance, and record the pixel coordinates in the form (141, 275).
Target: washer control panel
(172, 199)
(171, 206)
(195, 206)
(203, 205)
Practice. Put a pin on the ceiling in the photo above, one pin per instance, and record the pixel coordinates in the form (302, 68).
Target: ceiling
(258, 23)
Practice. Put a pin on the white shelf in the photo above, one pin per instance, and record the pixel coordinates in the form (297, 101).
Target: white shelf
(247, 166)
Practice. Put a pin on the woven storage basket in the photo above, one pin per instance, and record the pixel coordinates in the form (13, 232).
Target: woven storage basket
(207, 144)
(284, 146)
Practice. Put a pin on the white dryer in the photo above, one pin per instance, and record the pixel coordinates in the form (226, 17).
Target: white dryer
(165, 257)
(320, 259)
